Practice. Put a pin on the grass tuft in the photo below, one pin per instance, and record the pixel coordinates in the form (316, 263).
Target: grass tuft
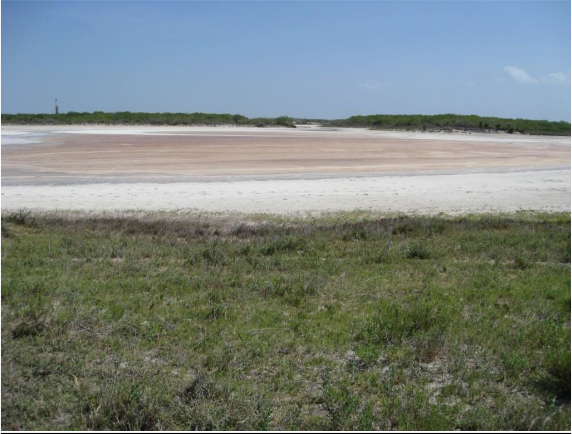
(394, 322)
(121, 407)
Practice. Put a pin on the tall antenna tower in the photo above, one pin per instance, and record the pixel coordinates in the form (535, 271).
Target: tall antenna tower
(57, 109)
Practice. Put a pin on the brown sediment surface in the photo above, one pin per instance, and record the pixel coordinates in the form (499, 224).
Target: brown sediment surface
(281, 171)
(202, 154)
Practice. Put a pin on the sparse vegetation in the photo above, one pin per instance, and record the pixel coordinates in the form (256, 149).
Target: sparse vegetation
(346, 321)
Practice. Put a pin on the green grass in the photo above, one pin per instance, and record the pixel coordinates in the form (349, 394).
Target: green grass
(346, 321)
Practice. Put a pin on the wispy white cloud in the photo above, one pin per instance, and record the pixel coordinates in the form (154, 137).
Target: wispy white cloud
(519, 74)
(555, 78)
(374, 86)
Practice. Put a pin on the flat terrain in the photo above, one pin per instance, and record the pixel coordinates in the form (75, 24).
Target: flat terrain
(281, 170)
(351, 321)
(121, 155)
(424, 194)
(149, 319)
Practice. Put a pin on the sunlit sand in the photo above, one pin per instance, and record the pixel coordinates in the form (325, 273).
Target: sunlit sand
(281, 170)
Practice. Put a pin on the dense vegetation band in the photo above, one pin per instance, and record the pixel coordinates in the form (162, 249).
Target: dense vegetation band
(403, 122)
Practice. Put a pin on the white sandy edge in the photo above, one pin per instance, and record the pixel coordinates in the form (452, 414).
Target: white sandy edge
(427, 194)
(311, 130)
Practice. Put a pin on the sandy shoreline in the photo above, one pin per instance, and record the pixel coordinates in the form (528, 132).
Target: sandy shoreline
(452, 194)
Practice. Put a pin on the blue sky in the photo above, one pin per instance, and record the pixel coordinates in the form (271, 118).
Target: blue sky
(302, 59)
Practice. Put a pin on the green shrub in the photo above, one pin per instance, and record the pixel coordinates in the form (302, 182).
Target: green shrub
(20, 217)
(417, 250)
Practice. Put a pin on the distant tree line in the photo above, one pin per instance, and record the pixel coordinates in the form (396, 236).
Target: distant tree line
(129, 118)
(400, 122)
(452, 121)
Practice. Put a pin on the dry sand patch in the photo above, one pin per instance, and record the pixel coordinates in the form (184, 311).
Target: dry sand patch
(283, 171)
(425, 194)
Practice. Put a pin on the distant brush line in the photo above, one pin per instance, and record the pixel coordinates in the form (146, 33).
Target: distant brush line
(406, 122)
(453, 121)
(142, 118)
